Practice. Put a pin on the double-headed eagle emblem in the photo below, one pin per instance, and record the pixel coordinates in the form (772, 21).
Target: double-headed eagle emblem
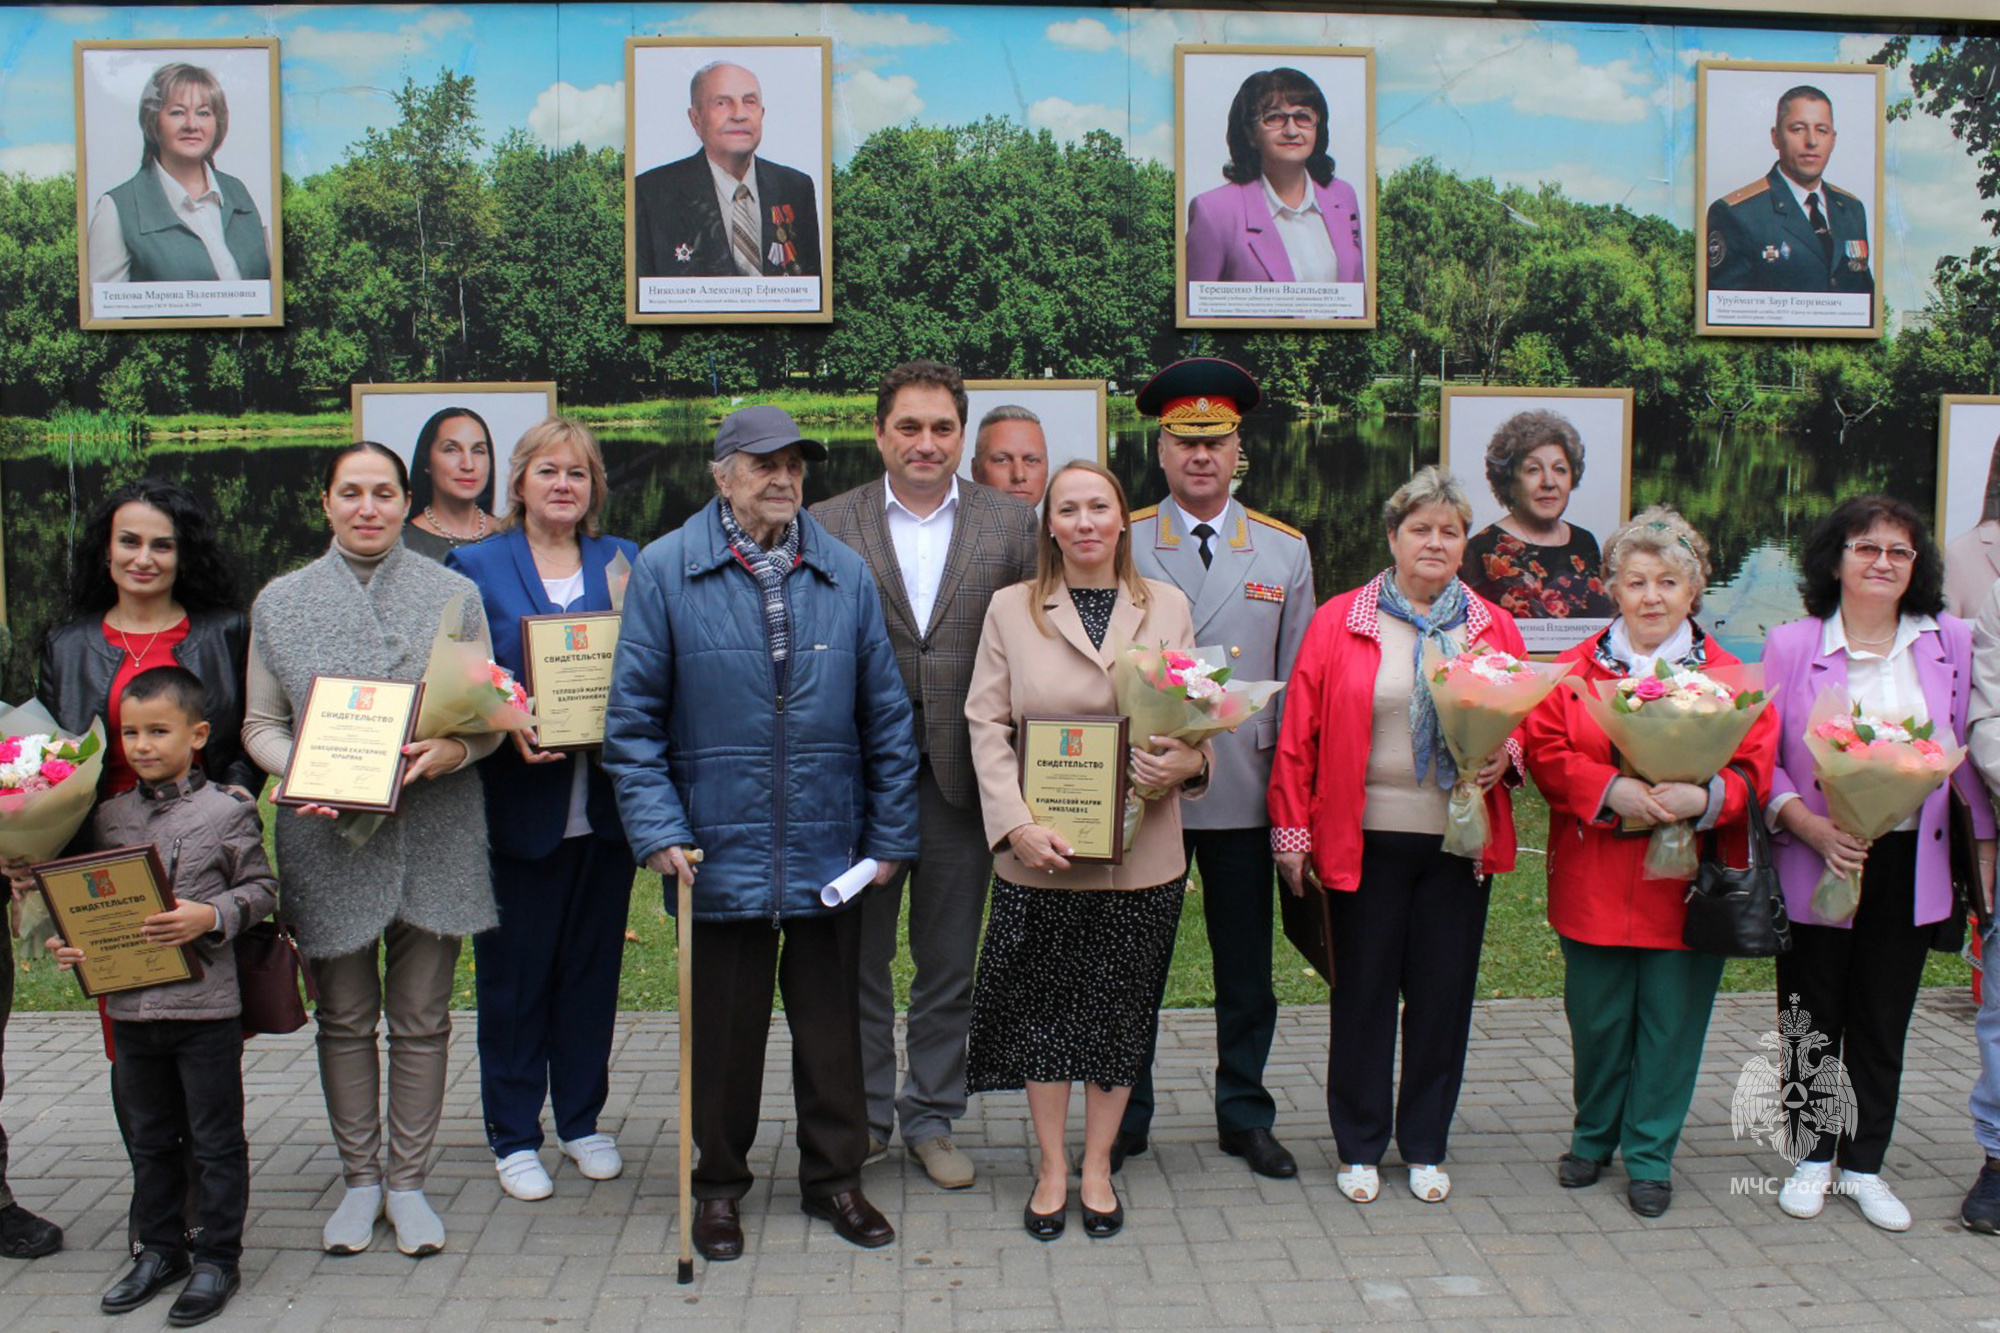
(1790, 1104)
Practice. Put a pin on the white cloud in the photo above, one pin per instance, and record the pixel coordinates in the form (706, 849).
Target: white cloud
(1857, 48)
(844, 23)
(564, 114)
(1537, 77)
(871, 102)
(1070, 121)
(1694, 55)
(38, 160)
(78, 16)
(1084, 34)
(357, 53)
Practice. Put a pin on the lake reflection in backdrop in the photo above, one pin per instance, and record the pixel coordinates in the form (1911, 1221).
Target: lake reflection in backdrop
(1755, 495)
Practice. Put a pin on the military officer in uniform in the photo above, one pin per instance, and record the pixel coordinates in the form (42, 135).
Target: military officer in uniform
(1792, 231)
(1249, 581)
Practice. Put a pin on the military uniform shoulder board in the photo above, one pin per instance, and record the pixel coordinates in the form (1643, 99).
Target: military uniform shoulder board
(1832, 189)
(1750, 191)
(1269, 522)
(1150, 511)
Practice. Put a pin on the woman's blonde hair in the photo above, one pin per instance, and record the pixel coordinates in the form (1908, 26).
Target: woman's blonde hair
(1432, 485)
(1049, 563)
(544, 435)
(166, 81)
(1660, 531)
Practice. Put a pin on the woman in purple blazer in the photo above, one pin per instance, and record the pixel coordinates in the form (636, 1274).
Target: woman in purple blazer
(1873, 583)
(1283, 217)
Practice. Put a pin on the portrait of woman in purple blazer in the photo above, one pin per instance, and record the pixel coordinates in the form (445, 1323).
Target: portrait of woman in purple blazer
(1283, 216)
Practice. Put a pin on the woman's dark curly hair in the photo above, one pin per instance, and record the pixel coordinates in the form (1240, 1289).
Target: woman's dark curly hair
(1519, 436)
(1268, 90)
(422, 489)
(203, 580)
(1819, 563)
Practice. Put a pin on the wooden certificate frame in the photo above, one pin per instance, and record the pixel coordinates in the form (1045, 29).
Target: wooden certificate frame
(97, 902)
(332, 733)
(1066, 788)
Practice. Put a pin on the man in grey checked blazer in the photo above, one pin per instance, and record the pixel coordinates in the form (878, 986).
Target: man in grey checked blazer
(940, 548)
(1249, 581)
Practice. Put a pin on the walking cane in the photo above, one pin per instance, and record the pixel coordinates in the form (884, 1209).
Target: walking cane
(684, 944)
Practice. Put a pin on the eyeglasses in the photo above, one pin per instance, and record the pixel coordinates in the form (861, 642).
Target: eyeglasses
(1277, 120)
(1870, 552)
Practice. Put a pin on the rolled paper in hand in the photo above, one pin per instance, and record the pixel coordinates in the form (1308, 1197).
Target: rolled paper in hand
(850, 882)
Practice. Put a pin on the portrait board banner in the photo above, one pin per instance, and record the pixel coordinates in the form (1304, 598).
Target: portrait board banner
(728, 180)
(1549, 473)
(1070, 419)
(422, 422)
(178, 217)
(347, 747)
(1789, 176)
(1073, 778)
(1274, 187)
(567, 661)
(1968, 498)
(99, 903)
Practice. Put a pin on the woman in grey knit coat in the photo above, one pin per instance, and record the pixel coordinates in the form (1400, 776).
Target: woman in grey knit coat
(381, 922)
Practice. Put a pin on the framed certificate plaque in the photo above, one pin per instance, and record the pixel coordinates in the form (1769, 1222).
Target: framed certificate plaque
(347, 747)
(566, 667)
(1073, 777)
(99, 904)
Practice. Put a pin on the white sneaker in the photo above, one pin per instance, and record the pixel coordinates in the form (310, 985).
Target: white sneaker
(1879, 1203)
(595, 1155)
(351, 1229)
(1359, 1183)
(522, 1176)
(1804, 1193)
(1430, 1183)
(419, 1230)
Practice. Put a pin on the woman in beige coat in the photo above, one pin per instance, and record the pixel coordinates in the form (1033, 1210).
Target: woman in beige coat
(1069, 982)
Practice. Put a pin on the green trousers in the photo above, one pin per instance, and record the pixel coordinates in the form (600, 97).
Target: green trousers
(1637, 1020)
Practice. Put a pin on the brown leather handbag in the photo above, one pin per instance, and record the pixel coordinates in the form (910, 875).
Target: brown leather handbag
(269, 970)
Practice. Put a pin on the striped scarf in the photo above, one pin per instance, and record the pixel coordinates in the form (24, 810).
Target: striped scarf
(769, 568)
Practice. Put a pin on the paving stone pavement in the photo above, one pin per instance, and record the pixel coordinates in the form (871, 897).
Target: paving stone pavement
(1207, 1245)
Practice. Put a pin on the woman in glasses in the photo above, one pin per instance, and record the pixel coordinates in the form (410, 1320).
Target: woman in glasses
(1873, 583)
(1284, 216)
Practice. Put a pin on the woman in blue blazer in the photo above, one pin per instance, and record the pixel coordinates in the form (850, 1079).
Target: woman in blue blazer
(547, 978)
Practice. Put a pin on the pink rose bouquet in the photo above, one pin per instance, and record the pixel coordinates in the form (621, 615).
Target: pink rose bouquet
(48, 782)
(1874, 775)
(466, 693)
(1190, 696)
(1676, 725)
(1481, 695)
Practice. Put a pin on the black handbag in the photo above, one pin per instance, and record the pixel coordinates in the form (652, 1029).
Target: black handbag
(1738, 913)
(1308, 923)
(269, 970)
(1968, 898)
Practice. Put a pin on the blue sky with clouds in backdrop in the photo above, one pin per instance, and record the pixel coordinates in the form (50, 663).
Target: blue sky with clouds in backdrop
(1606, 110)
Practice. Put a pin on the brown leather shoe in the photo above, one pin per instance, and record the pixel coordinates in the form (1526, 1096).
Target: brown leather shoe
(853, 1217)
(718, 1233)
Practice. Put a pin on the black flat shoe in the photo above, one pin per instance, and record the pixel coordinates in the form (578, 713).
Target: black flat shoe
(1258, 1147)
(150, 1272)
(1127, 1144)
(1649, 1198)
(26, 1236)
(1044, 1226)
(1575, 1173)
(1098, 1225)
(206, 1293)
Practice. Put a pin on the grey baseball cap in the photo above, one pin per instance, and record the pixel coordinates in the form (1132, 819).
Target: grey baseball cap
(763, 430)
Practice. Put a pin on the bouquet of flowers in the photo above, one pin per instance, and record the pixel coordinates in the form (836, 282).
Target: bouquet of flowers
(1676, 725)
(1874, 774)
(1189, 696)
(1481, 695)
(48, 782)
(467, 693)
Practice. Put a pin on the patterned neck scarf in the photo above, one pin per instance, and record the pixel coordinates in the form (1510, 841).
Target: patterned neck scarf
(1447, 612)
(1686, 649)
(769, 568)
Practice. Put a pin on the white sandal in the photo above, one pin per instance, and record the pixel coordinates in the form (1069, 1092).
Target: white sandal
(1429, 1183)
(1359, 1183)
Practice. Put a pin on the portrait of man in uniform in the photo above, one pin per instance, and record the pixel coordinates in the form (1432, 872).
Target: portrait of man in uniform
(729, 209)
(1796, 240)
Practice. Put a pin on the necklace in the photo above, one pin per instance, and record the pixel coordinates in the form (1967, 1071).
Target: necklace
(126, 639)
(478, 533)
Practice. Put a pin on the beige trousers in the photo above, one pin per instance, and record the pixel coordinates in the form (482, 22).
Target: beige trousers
(414, 986)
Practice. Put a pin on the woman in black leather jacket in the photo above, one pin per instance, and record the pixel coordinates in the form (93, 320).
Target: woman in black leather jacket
(150, 587)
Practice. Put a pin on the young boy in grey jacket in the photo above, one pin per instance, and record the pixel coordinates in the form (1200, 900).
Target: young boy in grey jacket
(178, 1047)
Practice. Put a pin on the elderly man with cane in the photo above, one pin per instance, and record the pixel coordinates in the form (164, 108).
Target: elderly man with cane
(757, 714)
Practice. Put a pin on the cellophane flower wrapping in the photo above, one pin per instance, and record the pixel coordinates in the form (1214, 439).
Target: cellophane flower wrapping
(1189, 696)
(1481, 695)
(1676, 725)
(48, 785)
(1874, 774)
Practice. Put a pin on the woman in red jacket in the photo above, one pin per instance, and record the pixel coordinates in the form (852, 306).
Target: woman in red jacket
(1407, 918)
(1638, 999)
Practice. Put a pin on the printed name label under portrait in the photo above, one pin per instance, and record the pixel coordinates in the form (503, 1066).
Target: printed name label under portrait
(692, 296)
(1831, 310)
(153, 300)
(1277, 300)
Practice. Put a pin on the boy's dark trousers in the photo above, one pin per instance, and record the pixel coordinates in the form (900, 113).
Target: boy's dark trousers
(180, 1076)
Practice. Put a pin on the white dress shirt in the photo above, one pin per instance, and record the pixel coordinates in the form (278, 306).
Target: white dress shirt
(921, 545)
(201, 214)
(1303, 232)
(1188, 522)
(563, 592)
(725, 195)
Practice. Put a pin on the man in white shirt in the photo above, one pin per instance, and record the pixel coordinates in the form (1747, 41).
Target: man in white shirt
(940, 548)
